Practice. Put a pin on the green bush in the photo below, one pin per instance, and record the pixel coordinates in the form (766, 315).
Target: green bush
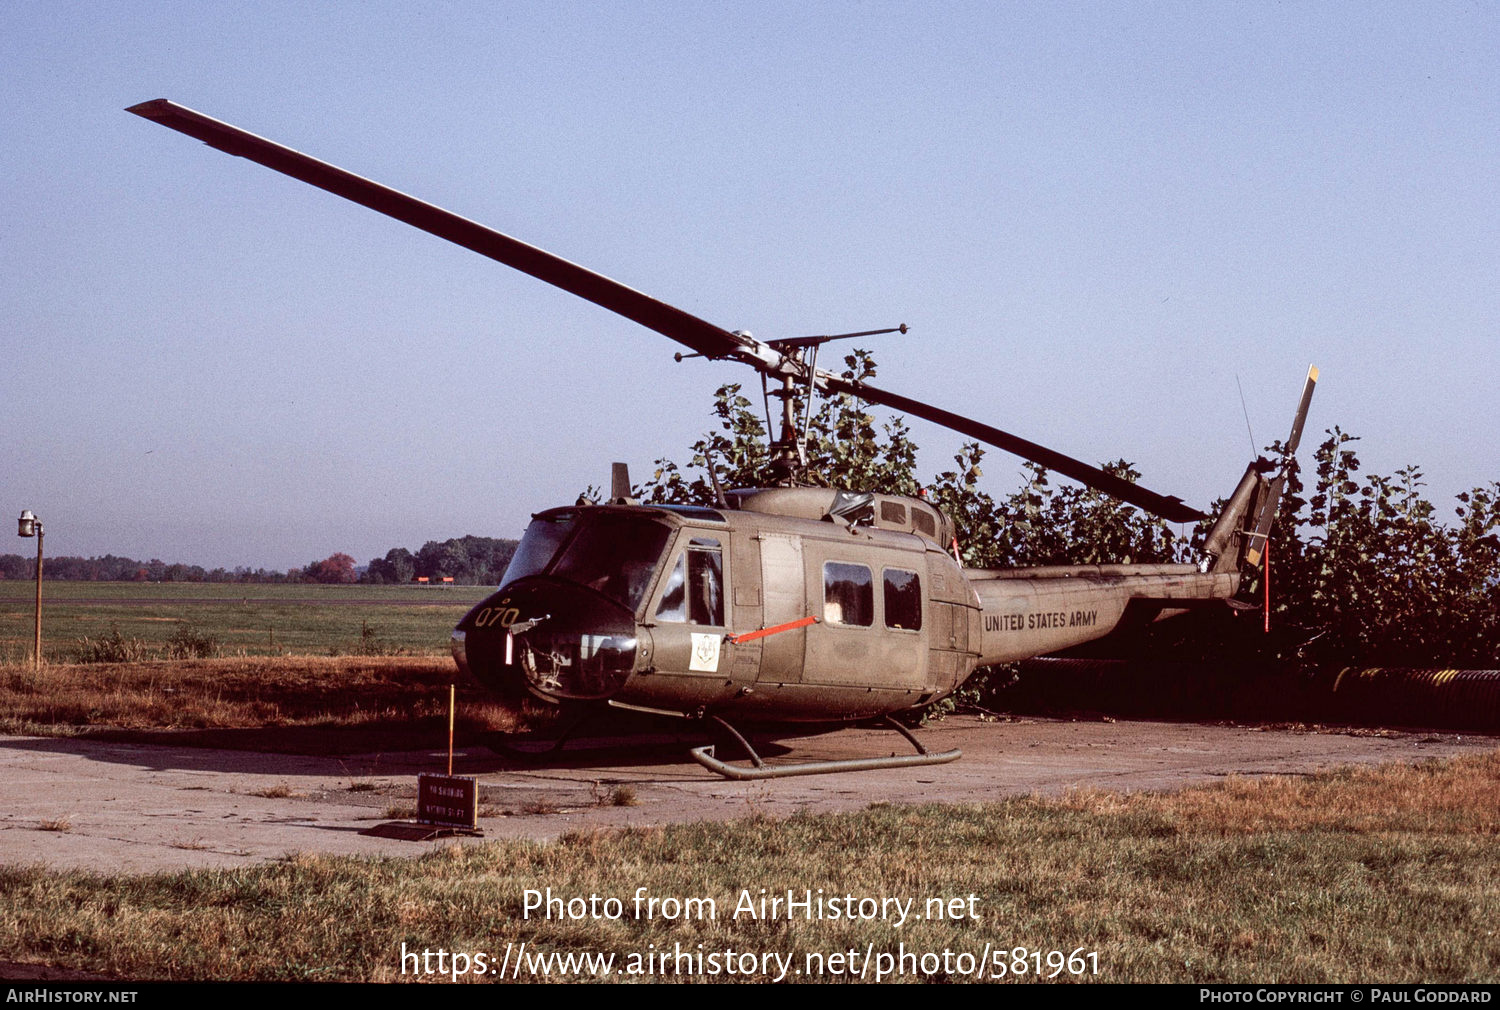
(187, 642)
(111, 648)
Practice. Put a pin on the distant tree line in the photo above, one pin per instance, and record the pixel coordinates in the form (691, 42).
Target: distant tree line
(111, 568)
(467, 560)
(473, 561)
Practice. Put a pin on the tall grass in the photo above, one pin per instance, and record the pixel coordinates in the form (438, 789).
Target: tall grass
(246, 700)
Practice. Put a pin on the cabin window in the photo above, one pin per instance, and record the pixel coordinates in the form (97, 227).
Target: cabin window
(903, 599)
(893, 512)
(924, 522)
(848, 594)
(695, 589)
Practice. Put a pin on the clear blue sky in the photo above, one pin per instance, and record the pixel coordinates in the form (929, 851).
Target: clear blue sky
(1094, 216)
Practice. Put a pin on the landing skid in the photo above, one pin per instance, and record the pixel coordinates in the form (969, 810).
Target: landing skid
(578, 737)
(705, 757)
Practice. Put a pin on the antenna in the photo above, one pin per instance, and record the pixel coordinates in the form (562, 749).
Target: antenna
(1254, 449)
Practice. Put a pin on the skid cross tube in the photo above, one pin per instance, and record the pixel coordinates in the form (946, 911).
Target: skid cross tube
(705, 757)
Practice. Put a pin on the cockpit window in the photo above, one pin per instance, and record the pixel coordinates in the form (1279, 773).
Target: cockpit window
(696, 512)
(539, 545)
(695, 589)
(613, 554)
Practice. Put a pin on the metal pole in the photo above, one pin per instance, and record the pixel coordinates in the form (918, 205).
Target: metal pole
(1268, 585)
(36, 655)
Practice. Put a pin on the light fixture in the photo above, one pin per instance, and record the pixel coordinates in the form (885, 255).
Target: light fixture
(31, 526)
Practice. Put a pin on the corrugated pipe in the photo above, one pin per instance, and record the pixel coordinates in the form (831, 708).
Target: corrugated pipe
(1384, 696)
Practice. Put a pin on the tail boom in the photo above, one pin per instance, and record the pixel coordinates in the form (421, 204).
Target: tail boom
(1033, 611)
(1028, 612)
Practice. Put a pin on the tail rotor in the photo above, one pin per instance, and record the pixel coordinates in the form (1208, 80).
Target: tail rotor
(1251, 510)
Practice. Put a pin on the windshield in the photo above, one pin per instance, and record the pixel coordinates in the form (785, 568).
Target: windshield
(612, 553)
(538, 545)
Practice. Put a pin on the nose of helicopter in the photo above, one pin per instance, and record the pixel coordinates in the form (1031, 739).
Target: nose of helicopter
(550, 638)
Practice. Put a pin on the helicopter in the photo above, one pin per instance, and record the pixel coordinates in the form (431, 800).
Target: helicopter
(786, 603)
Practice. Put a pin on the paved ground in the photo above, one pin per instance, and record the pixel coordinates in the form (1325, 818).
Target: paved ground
(111, 806)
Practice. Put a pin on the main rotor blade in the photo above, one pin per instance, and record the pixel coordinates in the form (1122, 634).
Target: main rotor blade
(1167, 507)
(703, 337)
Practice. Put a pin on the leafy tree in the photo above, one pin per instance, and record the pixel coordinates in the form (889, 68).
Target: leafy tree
(184, 573)
(1076, 525)
(844, 446)
(848, 448)
(1374, 577)
(447, 558)
(336, 569)
(14, 566)
(468, 560)
(980, 522)
(736, 452)
(396, 568)
(112, 568)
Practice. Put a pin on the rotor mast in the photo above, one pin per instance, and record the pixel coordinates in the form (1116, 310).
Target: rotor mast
(789, 450)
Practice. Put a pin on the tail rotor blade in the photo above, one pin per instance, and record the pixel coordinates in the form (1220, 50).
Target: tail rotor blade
(1268, 510)
(1295, 437)
(1267, 519)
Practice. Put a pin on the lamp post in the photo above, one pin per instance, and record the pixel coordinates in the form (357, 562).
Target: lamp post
(31, 526)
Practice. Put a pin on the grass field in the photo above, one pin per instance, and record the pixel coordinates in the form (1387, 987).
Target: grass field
(241, 619)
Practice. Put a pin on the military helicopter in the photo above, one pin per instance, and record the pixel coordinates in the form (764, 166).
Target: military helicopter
(785, 603)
